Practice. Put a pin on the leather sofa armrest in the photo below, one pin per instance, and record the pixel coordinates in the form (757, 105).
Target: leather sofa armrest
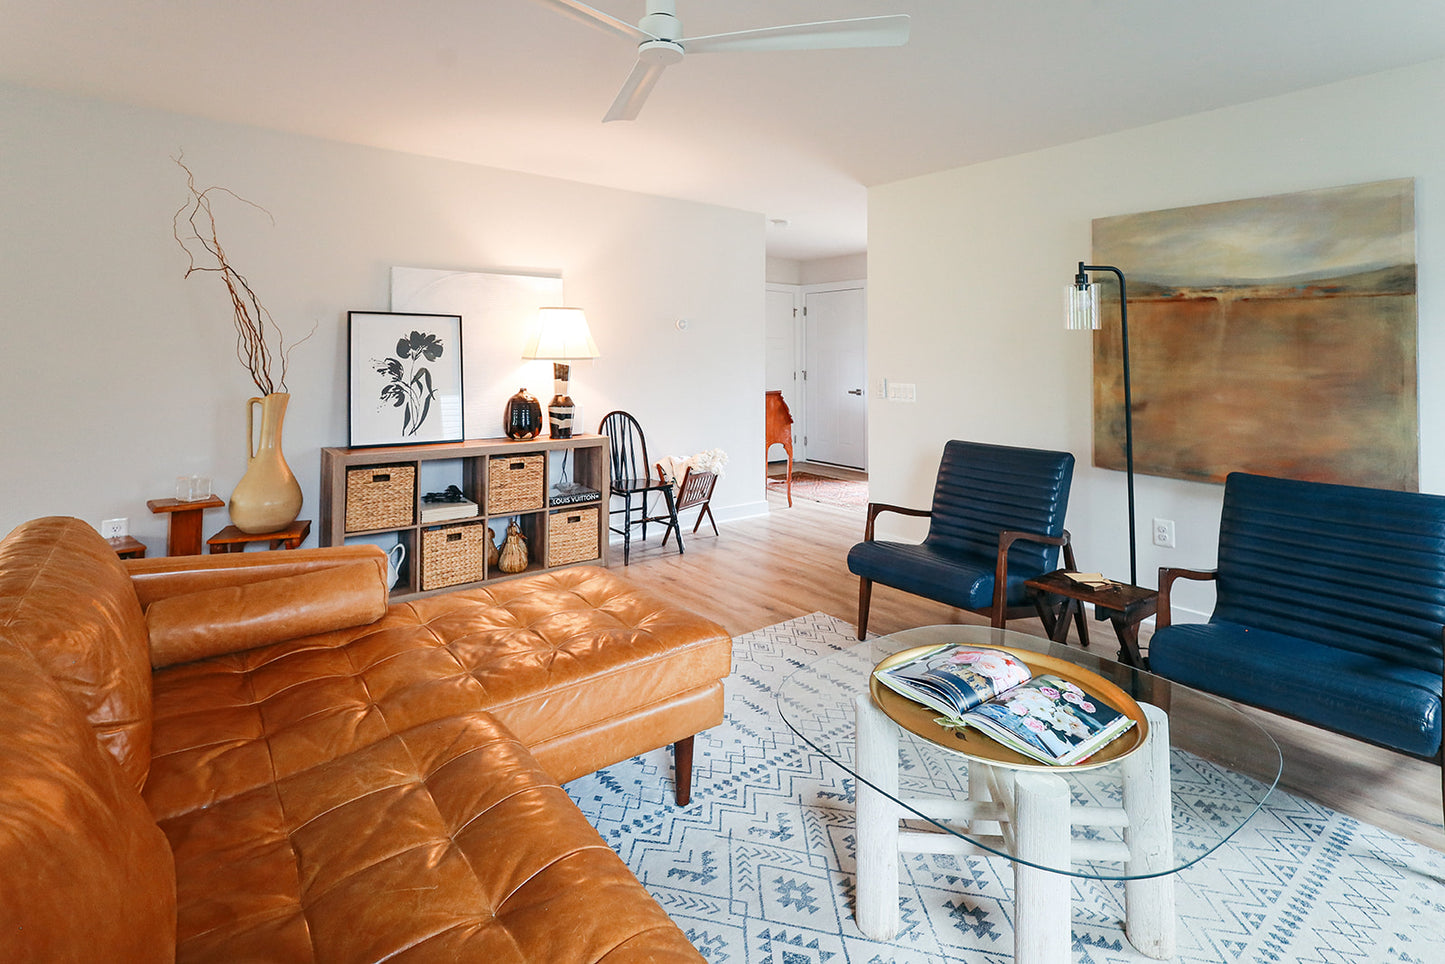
(877, 508)
(1006, 539)
(1167, 575)
(156, 579)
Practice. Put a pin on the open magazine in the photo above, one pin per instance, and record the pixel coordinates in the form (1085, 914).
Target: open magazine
(1044, 717)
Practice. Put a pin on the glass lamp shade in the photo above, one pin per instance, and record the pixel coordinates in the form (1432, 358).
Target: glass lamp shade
(561, 335)
(1081, 307)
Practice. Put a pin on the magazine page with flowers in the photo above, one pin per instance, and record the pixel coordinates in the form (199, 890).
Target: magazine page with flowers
(953, 679)
(1048, 719)
(1045, 718)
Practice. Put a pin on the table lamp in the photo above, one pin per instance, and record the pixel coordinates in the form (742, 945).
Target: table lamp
(561, 336)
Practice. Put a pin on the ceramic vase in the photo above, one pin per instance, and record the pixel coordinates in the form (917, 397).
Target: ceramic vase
(513, 557)
(523, 417)
(268, 496)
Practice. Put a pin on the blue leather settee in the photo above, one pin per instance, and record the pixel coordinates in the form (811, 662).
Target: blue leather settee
(1330, 608)
(997, 520)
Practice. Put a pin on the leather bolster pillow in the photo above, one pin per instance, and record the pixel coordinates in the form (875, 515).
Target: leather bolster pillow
(212, 622)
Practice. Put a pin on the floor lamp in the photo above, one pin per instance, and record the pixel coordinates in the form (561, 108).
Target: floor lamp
(1083, 313)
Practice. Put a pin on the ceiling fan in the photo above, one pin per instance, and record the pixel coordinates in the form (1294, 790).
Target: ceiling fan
(660, 42)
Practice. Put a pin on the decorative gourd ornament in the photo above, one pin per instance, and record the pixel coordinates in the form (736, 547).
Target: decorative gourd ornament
(491, 548)
(513, 557)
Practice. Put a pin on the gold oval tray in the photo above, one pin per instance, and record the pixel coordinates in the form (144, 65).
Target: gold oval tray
(919, 719)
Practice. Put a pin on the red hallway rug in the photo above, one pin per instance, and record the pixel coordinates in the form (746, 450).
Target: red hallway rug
(821, 488)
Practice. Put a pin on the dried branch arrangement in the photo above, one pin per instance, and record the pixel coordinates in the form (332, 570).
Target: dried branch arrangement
(259, 342)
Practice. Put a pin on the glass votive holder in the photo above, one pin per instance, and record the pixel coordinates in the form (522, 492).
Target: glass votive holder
(193, 488)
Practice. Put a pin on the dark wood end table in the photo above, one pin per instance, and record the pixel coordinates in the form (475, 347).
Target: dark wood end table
(183, 535)
(128, 547)
(1060, 599)
(231, 539)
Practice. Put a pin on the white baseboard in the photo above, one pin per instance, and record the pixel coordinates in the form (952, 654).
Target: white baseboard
(723, 515)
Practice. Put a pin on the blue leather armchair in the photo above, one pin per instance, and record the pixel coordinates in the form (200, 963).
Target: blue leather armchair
(1330, 608)
(997, 520)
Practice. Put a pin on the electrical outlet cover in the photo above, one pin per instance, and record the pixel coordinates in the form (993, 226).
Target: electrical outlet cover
(113, 528)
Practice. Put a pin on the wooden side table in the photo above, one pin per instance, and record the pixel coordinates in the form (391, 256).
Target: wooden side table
(231, 539)
(1059, 600)
(183, 537)
(128, 547)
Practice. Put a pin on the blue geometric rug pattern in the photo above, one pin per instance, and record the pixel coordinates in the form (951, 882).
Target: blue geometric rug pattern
(758, 869)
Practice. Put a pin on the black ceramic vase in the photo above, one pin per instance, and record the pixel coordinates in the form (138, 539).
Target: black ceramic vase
(523, 417)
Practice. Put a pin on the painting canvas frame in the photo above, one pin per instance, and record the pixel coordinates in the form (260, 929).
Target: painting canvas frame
(404, 378)
(1274, 335)
(497, 310)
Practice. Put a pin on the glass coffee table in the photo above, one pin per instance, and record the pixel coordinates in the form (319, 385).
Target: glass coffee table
(1117, 816)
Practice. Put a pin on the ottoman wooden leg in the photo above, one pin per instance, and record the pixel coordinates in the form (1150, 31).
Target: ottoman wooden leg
(682, 770)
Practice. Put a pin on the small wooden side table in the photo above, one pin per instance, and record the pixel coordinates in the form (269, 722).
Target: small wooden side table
(183, 537)
(231, 539)
(128, 547)
(1059, 600)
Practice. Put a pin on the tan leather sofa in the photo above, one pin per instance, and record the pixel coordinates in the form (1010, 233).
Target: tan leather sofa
(253, 757)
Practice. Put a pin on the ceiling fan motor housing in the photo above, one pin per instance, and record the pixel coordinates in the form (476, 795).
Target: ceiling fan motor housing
(661, 24)
(661, 53)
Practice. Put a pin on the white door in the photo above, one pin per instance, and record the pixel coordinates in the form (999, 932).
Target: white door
(835, 330)
(781, 360)
(781, 357)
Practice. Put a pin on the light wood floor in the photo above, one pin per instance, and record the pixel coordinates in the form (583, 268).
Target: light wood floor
(758, 572)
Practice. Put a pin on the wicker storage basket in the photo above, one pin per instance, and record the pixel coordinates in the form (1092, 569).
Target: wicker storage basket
(380, 497)
(572, 536)
(516, 483)
(453, 554)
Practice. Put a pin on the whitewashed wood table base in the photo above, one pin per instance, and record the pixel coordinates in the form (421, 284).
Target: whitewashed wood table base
(1018, 812)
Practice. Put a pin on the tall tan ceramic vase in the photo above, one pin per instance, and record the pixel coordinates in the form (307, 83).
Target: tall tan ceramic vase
(268, 496)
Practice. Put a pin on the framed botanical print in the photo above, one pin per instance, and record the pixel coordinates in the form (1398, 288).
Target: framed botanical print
(404, 377)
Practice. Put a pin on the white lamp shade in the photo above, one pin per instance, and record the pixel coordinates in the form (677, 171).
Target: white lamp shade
(561, 334)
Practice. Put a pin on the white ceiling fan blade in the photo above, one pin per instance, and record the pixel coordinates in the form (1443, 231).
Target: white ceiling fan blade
(634, 91)
(890, 31)
(582, 13)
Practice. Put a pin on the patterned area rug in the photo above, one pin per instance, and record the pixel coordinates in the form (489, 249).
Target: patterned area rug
(759, 868)
(821, 488)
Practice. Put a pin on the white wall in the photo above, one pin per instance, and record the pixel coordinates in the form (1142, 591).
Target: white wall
(118, 375)
(847, 267)
(784, 271)
(967, 269)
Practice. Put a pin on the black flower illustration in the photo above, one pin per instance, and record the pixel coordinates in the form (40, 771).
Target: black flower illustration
(410, 388)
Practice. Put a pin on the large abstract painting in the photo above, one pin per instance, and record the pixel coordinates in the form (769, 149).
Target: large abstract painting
(497, 312)
(1274, 335)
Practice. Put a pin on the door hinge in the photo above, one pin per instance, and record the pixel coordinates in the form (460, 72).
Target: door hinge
(805, 374)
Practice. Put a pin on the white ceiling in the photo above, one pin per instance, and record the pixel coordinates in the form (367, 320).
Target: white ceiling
(798, 136)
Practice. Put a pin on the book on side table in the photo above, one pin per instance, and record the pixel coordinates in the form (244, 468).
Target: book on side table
(1044, 717)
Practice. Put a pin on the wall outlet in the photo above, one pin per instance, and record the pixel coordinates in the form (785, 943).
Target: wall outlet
(114, 528)
(1164, 533)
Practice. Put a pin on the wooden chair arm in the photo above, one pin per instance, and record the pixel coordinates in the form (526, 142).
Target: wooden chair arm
(876, 508)
(1167, 576)
(1006, 539)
